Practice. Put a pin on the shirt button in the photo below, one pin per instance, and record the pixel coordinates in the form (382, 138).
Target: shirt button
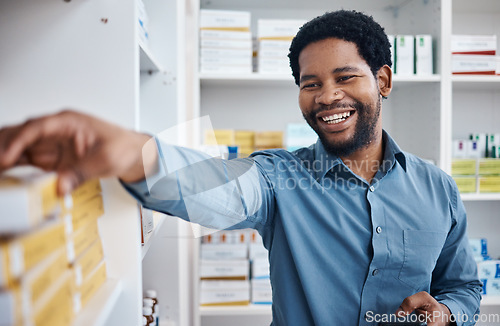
(378, 229)
(372, 188)
(375, 272)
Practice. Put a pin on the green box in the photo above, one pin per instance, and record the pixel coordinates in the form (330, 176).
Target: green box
(463, 167)
(489, 166)
(466, 184)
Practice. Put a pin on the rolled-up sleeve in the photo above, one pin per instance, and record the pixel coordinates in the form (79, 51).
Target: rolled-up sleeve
(454, 281)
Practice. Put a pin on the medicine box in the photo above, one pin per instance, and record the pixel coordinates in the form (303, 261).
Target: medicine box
(213, 251)
(491, 286)
(237, 269)
(284, 29)
(405, 54)
(225, 19)
(466, 184)
(489, 269)
(489, 184)
(423, 55)
(473, 64)
(474, 44)
(463, 167)
(224, 293)
(260, 268)
(489, 166)
(262, 292)
(479, 246)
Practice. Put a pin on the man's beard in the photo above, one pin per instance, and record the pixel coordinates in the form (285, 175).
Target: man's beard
(364, 130)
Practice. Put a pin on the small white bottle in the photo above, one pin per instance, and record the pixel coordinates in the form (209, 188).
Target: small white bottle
(148, 313)
(151, 294)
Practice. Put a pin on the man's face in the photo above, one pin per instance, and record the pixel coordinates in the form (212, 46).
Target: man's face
(339, 96)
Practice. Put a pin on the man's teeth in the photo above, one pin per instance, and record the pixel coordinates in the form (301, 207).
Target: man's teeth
(336, 118)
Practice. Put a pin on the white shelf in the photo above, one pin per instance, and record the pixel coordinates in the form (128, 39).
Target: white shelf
(148, 62)
(158, 221)
(476, 82)
(287, 79)
(478, 196)
(490, 300)
(250, 310)
(101, 305)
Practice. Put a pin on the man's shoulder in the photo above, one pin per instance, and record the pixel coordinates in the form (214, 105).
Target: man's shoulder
(427, 168)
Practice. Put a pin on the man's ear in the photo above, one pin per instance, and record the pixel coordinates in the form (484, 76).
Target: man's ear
(384, 79)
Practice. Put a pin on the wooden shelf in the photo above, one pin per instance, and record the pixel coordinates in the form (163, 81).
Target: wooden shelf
(158, 221)
(250, 310)
(101, 306)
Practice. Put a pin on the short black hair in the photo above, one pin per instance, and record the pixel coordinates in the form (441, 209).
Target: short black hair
(348, 25)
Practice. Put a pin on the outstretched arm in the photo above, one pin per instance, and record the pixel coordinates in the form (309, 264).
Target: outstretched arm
(79, 147)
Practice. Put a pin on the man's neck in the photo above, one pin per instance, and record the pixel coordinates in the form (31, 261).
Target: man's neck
(366, 161)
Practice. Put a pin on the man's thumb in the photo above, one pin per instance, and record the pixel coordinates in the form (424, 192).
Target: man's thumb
(69, 180)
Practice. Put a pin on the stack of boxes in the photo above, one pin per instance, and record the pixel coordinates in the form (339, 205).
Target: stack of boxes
(244, 142)
(225, 42)
(229, 259)
(224, 269)
(274, 37)
(488, 270)
(474, 55)
(412, 54)
(476, 163)
(51, 257)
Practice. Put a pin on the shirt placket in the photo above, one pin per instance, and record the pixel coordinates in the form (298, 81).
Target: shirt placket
(379, 244)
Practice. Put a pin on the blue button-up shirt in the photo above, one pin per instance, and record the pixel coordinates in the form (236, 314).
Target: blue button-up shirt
(342, 251)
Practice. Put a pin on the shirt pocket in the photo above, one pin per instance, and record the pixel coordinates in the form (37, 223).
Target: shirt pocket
(421, 252)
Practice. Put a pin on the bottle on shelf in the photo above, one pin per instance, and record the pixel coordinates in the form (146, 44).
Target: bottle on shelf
(151, 294)
(148, 313)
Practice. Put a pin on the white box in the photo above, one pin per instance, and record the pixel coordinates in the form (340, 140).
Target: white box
(274, 65)
(463, 64)
(224, 35)
(225, 19)
(458, 149)
(423, 55)
(224, 292)
(393, 50)
(262, 292)
(235, 53)
(226, 61)
(278, 28)
(225, 69)
(274, 53)
(223, 251)
(489, 269)
(224, 269)
(491, 287)
(274, 45)
(227, 44)
(479, 246)
(405, 54)
(498, 65)
(474, 44)
(260, 268)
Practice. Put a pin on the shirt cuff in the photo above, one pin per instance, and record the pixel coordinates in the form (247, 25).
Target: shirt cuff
(457, 315)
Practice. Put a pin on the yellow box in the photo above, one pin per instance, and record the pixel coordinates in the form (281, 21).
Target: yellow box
(489, 166)
(269, 139)
(27, 197)
(463, 167)
(87, 262)
(23, 252)
(489, 184)
(82, 194)
(83, 213)
(466, 184)
(82, 239)
(246, 151)
(90, 285)
(243, 138)
(222, 137)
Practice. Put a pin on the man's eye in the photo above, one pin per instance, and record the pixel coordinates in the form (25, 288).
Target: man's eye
(310, 85)
(345, 78)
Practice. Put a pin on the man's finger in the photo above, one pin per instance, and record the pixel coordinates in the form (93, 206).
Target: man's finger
(418, 300)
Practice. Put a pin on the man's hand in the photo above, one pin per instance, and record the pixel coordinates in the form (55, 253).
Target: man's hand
(423, 303)
(79, 147)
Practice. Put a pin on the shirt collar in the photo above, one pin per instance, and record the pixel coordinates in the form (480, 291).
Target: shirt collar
(324, 161)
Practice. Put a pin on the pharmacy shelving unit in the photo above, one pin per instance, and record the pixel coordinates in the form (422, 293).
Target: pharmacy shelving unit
(423, 113)
(85, 55)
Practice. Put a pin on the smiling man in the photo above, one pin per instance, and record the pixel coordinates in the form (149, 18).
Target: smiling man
(357, 229)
